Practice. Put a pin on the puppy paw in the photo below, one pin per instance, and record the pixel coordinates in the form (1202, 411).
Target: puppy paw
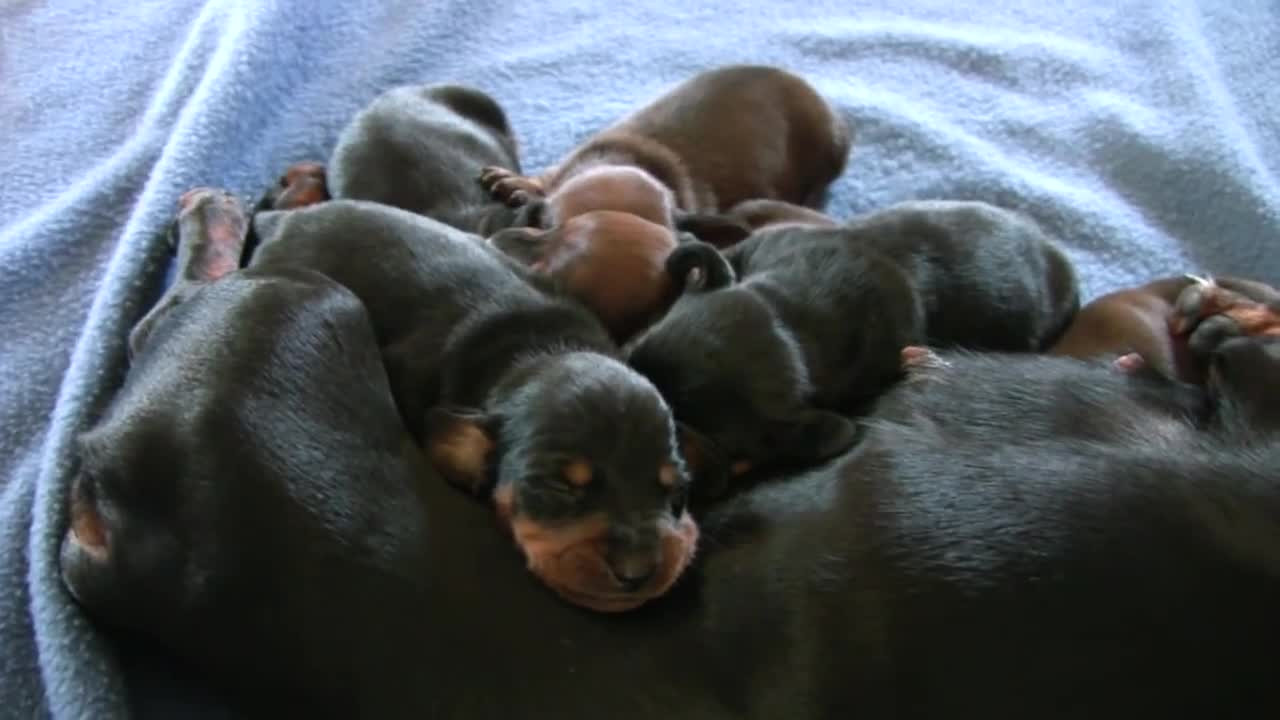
(301, 185)
(1209, 312)
(211, 230)
(509, 187)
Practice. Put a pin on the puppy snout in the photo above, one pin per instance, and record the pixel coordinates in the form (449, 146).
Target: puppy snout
(633, 570)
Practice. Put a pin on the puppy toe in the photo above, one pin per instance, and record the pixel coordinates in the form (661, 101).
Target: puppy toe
(1211, 333)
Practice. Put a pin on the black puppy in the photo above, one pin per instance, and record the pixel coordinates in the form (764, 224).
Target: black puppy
(759, 368)
(988, 278)
(420, 148)
(518, 394)
(263, 518)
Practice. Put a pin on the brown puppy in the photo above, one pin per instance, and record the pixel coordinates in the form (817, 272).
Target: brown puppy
(727, 135)
(612, 262)
(1134, 320)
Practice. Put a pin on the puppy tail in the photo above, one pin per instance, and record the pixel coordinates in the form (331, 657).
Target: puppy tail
(696, 266)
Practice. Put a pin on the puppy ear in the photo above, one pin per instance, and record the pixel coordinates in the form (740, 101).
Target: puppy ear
(718, 230)
(819, 435)
(524, 244)
(697, 267)
(707, 465)
(460, 443)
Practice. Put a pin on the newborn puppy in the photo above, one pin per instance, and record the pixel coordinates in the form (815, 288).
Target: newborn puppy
(420, 148)
(727, 135)
(821, 315)
(988, 278)
(759, 369)
(613, 262)
(1134, 320)
(518, 395)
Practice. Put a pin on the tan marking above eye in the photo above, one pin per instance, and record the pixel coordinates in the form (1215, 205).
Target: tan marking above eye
(667, 475)
(739, 467)
(578, 472)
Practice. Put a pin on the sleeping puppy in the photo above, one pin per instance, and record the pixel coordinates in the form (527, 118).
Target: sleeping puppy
(819, 316)
(420, 148)
(988, 278)
(766, 349)
(727, 135)
(1133, 320)
(613, 262)
(259, 510)
(517, 394)
(415, 147)
(1142, 324)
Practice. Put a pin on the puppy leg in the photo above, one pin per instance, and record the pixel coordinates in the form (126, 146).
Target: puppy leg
(210, 237)
(511, 187)
(210, 234)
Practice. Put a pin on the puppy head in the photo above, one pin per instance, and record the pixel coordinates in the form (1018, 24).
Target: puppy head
(614, 187)
(610, 261)
(580, 458)
(736, 379)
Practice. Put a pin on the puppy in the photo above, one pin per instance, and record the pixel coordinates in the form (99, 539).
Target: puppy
(988, 278)
(420, 148)
(1148, 324)
(518, 394)
(613, 262)
(726, 135)
(1134, 320)
(260, 512)
(820, 316)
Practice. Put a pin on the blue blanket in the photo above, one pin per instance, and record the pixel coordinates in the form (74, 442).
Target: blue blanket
(1141, 134)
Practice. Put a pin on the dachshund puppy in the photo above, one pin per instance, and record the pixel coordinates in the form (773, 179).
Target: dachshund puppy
(988, 278)
(251, 501)
(727, 135)
(1134, 320)
(613, 262)
(415, 147)
(518, 395)
(820, 316)
(1148, 325)
(420, 148)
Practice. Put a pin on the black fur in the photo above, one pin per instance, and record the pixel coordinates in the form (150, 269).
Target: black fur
(421, 148)
(271, 523)
(988, 278)
(472, 344)
(819, 316)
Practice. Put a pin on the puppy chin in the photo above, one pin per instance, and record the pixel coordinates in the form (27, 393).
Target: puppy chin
(580, 573)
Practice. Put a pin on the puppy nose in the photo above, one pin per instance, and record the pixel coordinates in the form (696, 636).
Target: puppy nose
(633, 571)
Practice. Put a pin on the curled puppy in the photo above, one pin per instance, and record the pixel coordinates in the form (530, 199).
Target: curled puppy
(767, 347)
(613, 262)
(726, 135)
(420, 148)
(821, 315)
(518, 396)
(1133, 320)
(988, 278)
